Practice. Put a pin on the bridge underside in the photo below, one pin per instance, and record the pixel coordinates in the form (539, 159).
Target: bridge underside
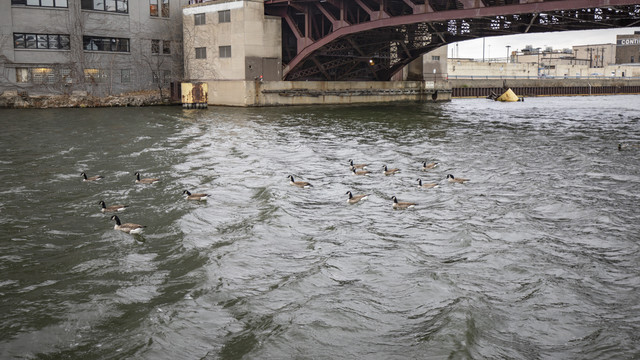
(364, 40)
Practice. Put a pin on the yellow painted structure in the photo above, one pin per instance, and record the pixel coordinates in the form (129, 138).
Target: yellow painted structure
(508, 96)
(195, 95)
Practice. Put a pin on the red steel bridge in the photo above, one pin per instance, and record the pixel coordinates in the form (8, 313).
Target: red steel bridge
(342, 40)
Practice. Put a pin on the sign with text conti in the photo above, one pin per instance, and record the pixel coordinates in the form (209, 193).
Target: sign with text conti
(631, 41)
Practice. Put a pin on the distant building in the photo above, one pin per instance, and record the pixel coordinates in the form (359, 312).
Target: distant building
(102, 47)
(628, 48)
(231, 40)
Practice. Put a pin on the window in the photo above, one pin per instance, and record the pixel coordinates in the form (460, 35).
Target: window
(22, 75)
(166, 47)
(155, 77)
(166, 76)
(633, 59)
(155, 46)
(65, 75)
(224, 16)
(43, 3)
(164, 8)
(200, 19)
(125, 76)
(41, 41)
(43, 76)
(225, 51)
(435, 58)
(153, 7)
(96, 43)
(121, 6)
(95, 76)
(201, 53)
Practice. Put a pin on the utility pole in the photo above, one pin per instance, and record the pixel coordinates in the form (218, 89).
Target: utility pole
(508, 46)
(483, 49)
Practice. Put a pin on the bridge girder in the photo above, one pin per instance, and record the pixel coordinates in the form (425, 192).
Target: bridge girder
(373, 39)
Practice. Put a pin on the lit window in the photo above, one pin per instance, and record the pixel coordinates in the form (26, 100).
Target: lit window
(201, 53)
(95, 76)
(200, 19)
(43, 76)
(225, 51)
(224, 16)
(153, 7)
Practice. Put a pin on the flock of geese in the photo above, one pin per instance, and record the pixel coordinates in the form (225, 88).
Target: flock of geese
(356, 169)
(361, 170)
(131, 228)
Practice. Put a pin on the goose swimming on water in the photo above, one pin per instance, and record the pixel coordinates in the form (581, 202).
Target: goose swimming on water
(112, 208)
(357, 166)
(451, 178)
(389, 171)
(427, 185)
(402, 204)
(145, 180)
(93, 178)
(355, 198)
(198, 197)
(300, 184)
(129, 228)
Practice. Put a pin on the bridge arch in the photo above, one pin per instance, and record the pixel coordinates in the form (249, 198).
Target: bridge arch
(373, 39)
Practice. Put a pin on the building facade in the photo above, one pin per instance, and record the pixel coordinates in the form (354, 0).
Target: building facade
(102, 47)
(628, 48)
(231, 40)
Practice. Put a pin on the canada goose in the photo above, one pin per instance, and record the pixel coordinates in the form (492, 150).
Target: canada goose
(190, 196)
(627, 146)
(300, 184)
(359, 172)
(357, 166)
(402, 205)
(355, 198)
(93, 178)
(129, 228)
(389, 171)
(112, 208)
(456, 180)
(426, 186)
(145, 180)
(428, 166)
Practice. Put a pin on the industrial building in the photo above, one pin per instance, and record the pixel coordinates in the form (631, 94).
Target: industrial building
(98, 47)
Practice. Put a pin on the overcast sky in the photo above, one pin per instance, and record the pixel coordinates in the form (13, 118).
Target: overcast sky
(495, 47)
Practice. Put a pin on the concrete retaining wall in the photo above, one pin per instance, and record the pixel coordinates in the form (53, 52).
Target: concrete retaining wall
(278, 93)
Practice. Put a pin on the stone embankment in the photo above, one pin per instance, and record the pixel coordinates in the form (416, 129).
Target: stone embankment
(79, 99)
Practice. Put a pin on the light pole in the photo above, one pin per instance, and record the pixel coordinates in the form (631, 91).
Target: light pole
(508, 46)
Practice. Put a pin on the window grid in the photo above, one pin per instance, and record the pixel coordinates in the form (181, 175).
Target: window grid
(97, 43)
(200, 19)
(42, 3)
(224, 51)
(41, 41)
(224, 16)
(120, 6)
(201, 53)
(159, 8)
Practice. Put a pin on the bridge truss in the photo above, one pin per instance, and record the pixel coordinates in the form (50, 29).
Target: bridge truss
(346, 40)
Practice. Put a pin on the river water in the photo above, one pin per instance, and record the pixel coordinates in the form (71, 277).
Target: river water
(536, 257)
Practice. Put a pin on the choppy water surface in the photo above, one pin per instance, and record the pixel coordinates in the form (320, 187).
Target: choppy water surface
(536, 257)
